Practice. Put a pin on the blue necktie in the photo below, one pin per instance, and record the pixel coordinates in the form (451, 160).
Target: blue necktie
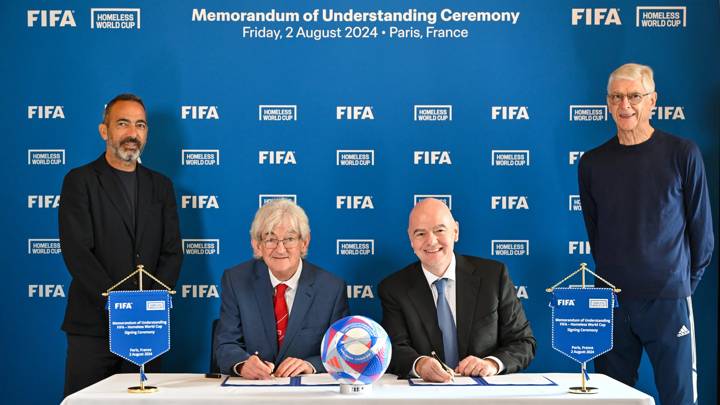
(447, 325)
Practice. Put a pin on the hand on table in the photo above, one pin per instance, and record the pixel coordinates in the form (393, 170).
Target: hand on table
(476, 367)
(291, 367)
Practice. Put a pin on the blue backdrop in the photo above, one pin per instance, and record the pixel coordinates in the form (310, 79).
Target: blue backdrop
(355, 118)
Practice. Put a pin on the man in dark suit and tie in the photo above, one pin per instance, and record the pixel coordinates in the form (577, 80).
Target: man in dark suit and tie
(114, 214)
(462, 308)
(276, 308)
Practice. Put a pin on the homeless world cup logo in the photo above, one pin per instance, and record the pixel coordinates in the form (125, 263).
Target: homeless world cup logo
(445, 198)
(44, 246)
(432, 113)
(574, 203)
(266, 198)
(507, 157)
(200, 157)
(201, 246)
(355, 157)
(588, 113)
(661, 16)
(282, 113)
(115, 18)
(355, 247)
(46, 157)
(510, 247)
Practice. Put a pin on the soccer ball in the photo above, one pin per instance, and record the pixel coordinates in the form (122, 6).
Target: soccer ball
(356, 350)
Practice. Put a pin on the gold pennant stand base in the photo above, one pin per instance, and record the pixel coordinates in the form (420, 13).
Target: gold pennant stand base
(583, 390)
(142, 389)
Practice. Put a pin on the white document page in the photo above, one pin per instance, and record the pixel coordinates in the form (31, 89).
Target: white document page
(518, 379)
(458, 381)
(239, 381)
(318, 379)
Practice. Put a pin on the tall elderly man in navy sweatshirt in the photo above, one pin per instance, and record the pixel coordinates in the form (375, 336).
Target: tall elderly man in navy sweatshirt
(647, 212)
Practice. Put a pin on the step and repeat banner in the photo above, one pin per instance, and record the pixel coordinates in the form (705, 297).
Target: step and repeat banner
(356, 110)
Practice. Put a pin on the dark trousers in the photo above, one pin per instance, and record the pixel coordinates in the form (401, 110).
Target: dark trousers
(89, 360)
(665, 329)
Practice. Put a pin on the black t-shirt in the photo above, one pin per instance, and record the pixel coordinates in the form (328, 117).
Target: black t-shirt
(129, 183)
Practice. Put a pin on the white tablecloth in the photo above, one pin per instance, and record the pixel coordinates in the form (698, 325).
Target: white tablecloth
(196, 389)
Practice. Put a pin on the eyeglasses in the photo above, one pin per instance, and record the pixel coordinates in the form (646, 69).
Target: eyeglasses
(289, 243)
(633, 98)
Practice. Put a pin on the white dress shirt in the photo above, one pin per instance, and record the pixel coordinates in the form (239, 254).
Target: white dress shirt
(292, 284)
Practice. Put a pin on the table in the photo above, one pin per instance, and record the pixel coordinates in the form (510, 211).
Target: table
(196, 389)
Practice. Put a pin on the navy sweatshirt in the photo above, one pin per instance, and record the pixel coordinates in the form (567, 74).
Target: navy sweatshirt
(647, 215)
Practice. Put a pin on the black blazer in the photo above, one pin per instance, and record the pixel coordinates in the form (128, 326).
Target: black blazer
(490, 319)
(101, 244)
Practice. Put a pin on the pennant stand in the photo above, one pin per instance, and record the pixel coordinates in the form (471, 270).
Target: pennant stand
(583, 388)
(142, 388)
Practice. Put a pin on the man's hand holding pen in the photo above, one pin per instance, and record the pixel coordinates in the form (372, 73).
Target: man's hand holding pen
(255, 368)
(432, 369)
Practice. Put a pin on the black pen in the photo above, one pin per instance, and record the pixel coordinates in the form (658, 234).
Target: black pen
(271, 365)
(444, 366)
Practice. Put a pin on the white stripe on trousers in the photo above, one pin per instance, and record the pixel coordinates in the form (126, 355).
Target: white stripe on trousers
(692, 345)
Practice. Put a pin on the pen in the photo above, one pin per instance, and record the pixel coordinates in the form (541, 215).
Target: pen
(271, 365)
(444, 366)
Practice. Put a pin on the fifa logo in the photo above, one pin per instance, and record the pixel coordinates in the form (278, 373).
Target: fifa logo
(354, 202)
(355, 112)
(50, 18)
(578, 247)
(431, 157)
(43, 201)
(667, 113)
(200, 291)
(276, 157)
(596, 16)
(46, 291)
(574, 156)
(199, 201)
(44, 112)
(510, 112)
(199, 112)
(509, 202)
(359, 291)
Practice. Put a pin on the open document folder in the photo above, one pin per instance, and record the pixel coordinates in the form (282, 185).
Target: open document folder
(497, 380)
(308, 380)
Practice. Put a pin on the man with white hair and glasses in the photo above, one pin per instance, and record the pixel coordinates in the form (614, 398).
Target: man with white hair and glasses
(647, 213)
(276, 307)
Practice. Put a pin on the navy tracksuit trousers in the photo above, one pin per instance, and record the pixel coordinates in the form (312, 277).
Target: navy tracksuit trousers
(665, 329)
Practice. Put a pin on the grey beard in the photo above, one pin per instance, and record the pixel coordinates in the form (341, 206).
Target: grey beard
(127, 156)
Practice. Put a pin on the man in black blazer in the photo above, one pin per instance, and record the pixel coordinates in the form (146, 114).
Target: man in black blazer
(114, 215)
(485, 322)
